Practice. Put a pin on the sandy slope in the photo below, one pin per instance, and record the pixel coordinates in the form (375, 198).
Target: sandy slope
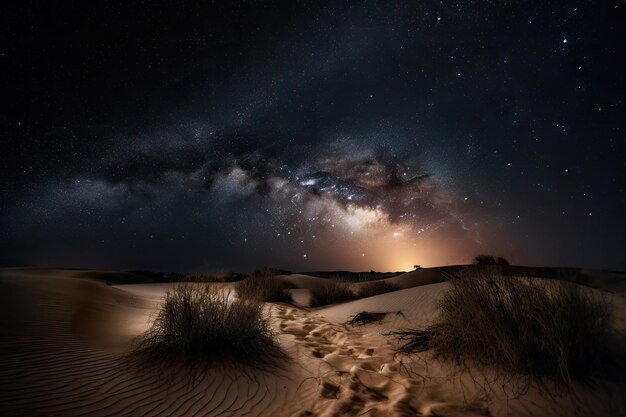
(64, 340)
(440, 389)
(62, 352)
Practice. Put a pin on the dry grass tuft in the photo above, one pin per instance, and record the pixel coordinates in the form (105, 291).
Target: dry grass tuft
(202, 323)
(330, 292)
(215, 277)
(366, 317)
(529, 327)
(520, 325)
(265, 288)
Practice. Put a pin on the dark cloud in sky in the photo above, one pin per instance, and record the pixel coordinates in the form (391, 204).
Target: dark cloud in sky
(312, 135)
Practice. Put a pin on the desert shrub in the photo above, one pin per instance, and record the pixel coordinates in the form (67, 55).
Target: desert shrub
(265, 288)
(373, 288)
(201, 322)
(529, 326)
(330, 292)
(268, 271)
(484, 260)
(360, 276)
(366, 317)
(215, 277)
(502, 261)
(346, 277)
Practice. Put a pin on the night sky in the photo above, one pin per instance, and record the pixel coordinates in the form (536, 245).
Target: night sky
(311, 135)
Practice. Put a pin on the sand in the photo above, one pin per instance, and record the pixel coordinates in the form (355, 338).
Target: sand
(65, 339)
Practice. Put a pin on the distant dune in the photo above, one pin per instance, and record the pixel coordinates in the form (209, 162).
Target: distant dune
(66, 336)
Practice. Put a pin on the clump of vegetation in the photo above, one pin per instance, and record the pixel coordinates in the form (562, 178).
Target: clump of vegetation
(502, 261)
(215, 277)
(366, 317)
(265, 287)
(522, 326)
(330, 292)
(483, 260)
(412, 341)
(266, 270)
(203, 323)
(373, 288)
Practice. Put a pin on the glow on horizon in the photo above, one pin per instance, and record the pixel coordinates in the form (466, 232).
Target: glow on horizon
(362, 239)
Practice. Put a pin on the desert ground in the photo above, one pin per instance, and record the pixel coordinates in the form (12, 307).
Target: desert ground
(67, 337)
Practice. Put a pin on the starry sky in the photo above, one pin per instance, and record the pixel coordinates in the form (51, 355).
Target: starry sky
(312, 135)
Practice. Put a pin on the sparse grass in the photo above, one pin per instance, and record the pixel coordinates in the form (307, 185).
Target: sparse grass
(203, 323)
(373, 288)
(412, 341)
(366, 317)
(530, 327)
(215, 277)
(266, 270)
(356, 276)
(485, 260)
(265, 288)
(502, 261)
(330, 292)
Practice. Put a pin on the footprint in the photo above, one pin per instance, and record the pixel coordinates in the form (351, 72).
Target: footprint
(317, 354)
(330, 390)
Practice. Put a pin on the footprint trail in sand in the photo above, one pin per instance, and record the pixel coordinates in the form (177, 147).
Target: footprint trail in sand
(355, 377)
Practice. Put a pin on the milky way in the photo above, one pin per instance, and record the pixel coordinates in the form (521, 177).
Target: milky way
(350, 207)
(326, 136)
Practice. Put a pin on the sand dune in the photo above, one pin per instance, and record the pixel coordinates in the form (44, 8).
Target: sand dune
(66, 335)
(63, 352)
